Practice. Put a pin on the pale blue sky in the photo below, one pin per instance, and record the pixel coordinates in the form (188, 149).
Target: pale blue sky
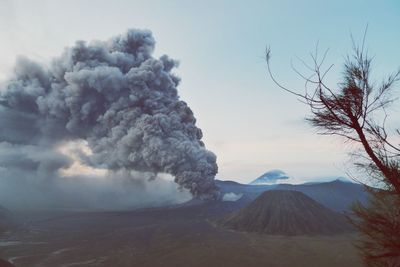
(247, 121)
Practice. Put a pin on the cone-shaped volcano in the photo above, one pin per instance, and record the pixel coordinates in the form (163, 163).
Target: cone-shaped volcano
(284, 212)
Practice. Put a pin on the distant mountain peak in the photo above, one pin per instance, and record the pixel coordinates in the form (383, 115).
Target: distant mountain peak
(270, 177)
(342, 180)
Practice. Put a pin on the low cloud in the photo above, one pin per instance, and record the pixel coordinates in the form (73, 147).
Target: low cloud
(232, 197)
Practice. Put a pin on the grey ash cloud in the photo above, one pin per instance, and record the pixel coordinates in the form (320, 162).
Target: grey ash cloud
(116, 96)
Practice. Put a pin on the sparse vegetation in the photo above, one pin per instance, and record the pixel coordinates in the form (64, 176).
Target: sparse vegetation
(357, 111)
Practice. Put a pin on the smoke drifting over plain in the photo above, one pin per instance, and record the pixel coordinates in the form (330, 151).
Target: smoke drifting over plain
(121, 104)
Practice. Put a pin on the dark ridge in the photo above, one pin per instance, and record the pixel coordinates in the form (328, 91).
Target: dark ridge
(336, 195)
(286, 212)
(4, 263)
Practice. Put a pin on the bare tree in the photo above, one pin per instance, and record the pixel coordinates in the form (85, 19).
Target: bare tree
(356, 110)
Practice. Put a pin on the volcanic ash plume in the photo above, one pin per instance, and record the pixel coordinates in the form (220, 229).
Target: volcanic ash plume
(118, 99)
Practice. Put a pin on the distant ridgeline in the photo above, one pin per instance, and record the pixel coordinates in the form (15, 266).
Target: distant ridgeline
(336, 195)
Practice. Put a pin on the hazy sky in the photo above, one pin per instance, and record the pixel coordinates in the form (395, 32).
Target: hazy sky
(247, 121)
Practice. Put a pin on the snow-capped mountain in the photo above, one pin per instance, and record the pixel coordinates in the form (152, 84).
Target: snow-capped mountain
(270, 177)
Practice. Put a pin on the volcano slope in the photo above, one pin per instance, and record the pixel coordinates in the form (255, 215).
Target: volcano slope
(6, 221)
(286, 212)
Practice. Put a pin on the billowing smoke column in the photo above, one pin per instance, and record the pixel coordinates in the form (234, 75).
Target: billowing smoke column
(118, 98)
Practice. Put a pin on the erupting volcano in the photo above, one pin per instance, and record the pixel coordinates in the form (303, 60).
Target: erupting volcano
(116, 98)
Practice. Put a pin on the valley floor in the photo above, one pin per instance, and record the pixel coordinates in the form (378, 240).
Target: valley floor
(163, 237)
